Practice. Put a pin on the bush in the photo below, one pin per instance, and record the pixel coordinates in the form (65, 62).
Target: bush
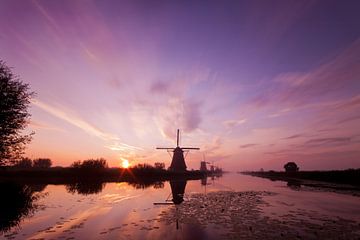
(143, 166)
(42, 163)
(91, 164)
(24, 163)
(159, 165)
(76, 164)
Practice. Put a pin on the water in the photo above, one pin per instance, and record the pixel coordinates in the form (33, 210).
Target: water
(124, 211)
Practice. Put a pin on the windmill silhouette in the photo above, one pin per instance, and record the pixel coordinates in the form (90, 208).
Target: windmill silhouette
(178, 161)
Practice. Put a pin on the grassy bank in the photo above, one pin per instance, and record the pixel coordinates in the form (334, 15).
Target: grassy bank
(350, 176)
(60, 175)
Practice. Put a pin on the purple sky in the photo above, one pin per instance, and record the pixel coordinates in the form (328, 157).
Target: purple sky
(254, 84)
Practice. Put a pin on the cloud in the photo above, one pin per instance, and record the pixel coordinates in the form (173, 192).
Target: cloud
(249, 145)
(86, 127)
(123, 147)
(160, 87)
(214, 146)
(350, 103)
(234, 123)
(293, 136)
(74, 120)
(349, 119)
(177, 113)
(295, 89)
(41, 125)
(321, 142)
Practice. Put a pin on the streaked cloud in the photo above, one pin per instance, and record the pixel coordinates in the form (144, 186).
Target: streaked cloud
(293, 136)
(74, 120)
(234, 123)
(249, 145)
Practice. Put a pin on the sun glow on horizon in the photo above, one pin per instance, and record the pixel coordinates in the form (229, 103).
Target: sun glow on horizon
(125, 163)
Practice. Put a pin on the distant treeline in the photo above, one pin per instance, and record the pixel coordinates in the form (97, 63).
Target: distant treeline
(92, 170)
(36, 163)
(349, 176)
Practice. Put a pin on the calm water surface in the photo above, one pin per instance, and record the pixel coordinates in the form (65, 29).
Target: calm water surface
(124, 211)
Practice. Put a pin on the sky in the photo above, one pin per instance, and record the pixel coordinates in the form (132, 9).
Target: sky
(254, 84)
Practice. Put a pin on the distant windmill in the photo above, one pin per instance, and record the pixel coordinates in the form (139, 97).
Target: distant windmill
(178, 160)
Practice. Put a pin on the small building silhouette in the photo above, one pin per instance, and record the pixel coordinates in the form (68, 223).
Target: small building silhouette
(291, 167)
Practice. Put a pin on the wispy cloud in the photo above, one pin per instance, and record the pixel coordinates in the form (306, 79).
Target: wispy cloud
(333, 141)
(184, 114)
(234, 123)
(249, 145)
(41, 125)
(61, 113)
(349, 119)
(296, 89)
(293, 136)
(212, 147)
(123, 147)
(74, 120)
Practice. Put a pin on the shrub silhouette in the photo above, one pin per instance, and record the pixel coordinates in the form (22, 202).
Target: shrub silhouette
(24, 163)
(90, 164)
(291, 167)
(42, 163)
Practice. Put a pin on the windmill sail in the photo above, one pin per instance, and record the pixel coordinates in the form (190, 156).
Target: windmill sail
(178, 161)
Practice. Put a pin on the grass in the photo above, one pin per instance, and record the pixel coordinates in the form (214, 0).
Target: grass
(349, 176)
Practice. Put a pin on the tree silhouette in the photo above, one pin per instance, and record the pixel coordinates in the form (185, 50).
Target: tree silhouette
(291, 167)
(14, 116)
(24, 163)
(42, 163)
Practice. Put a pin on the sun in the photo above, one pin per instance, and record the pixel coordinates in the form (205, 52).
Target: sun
(125, 163)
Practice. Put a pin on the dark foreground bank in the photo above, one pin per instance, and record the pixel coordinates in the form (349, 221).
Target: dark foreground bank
(67, 175)
(349, 177)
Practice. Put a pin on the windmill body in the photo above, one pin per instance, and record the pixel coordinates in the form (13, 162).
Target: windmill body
(178, 161)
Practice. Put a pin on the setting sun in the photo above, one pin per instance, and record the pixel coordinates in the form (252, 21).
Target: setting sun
(125, 163)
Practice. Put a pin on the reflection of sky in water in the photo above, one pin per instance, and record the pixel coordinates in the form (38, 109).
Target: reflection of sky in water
(121, 211)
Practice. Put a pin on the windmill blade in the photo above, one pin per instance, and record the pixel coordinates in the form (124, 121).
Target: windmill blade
(190, 148)
(166, 148)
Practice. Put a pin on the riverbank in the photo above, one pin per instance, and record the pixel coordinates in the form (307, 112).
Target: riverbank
(341, 181)
(59, 175)
(349, 177)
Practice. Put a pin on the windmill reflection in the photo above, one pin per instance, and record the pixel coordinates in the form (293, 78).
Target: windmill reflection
(178, 190)
(177, 193)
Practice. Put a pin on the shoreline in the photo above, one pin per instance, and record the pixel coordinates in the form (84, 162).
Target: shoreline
(339, 180)
(70, 175)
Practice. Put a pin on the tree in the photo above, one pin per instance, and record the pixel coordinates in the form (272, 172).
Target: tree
(42, 163)
(24, 163)
(159, 165)
(93, 164)
(291, 167)
(14, 116)
(76, 164)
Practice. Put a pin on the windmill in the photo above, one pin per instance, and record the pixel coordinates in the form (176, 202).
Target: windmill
(203, 164)
(178, 160)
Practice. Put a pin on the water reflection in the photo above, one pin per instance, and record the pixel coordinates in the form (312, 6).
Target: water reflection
(17, 201)
(294, 184)
(178, 190)
(96, 187)
(85, 187)
(147, 184)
